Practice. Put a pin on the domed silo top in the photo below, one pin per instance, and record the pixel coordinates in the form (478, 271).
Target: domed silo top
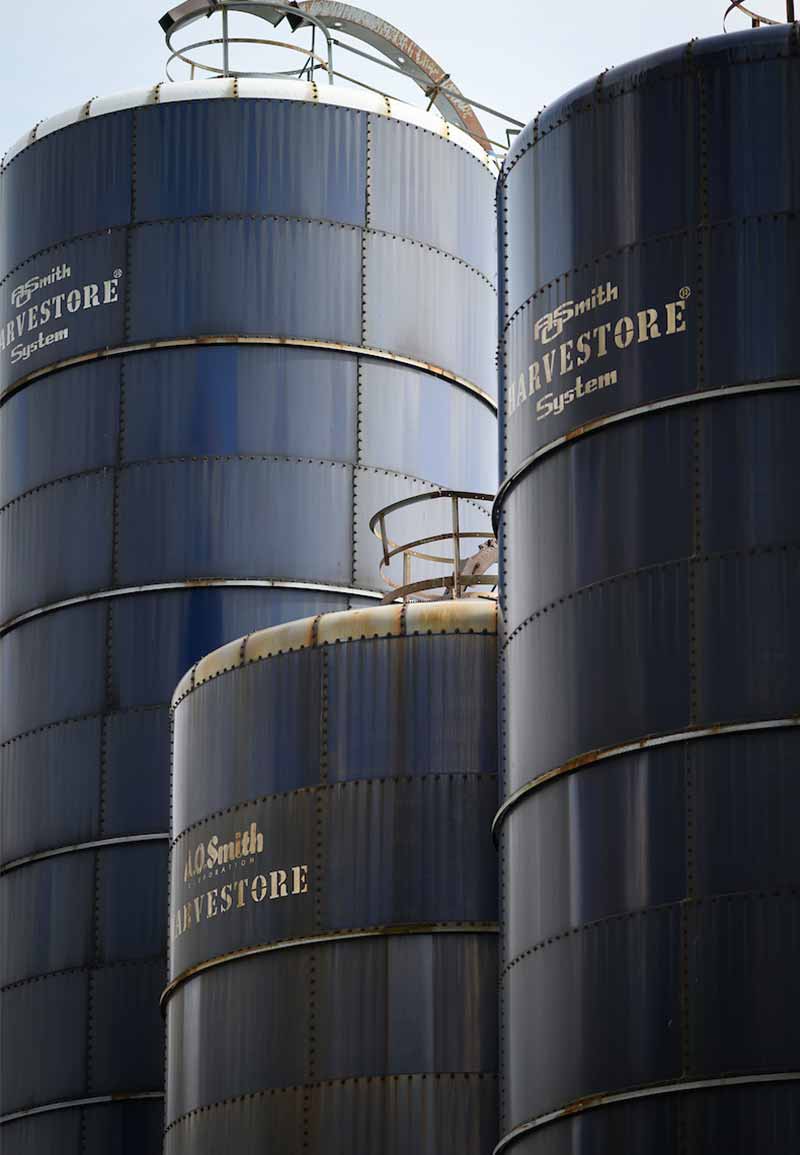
(393, 621)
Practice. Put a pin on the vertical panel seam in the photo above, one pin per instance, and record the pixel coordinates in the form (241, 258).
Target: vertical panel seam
(359, 362)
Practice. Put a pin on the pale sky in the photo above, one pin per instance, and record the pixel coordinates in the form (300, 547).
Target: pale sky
(513, 54)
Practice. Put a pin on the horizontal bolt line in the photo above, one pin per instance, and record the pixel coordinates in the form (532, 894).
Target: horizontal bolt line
(117, 1097)
(584, 761)
(322, 939)
(78, 847)
(592, 1102)
(235, 339)
(197, 584)
(628, 415)
(342, 1081)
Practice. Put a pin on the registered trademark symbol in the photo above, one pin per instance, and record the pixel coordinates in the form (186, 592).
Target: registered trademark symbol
(685, 293)
(118, 273)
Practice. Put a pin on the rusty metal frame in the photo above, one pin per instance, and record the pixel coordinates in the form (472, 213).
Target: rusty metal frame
(398, 53)
(466, 573)
(592, 1102)
(322, 939)
(401, 49)
(595, 757)
(188, 13)
(756, 17)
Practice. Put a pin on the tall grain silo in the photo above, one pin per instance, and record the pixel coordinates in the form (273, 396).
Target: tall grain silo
(333, 903)
(650, 550)
(238, 316)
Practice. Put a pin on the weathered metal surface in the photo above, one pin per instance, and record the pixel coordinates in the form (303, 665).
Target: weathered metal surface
(182, 461)
(650, 547)
(334, 886)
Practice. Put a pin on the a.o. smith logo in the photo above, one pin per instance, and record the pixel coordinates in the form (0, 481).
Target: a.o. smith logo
(222, 856)
(27, 291)
(564, 373)
(26, 333)
(551, 325)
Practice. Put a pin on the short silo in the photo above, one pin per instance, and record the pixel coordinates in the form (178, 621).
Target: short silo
(333, 899)
(238, 316)
(650, 670)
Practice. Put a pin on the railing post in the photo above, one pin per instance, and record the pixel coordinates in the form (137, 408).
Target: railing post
(456, 551)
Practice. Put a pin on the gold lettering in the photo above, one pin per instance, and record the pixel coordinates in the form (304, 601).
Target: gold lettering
(520, 390)
(676, 322)
(584, 347)
(601, 333)
(199, 859)
(534, 384)
(648, 325)
(566, 357)
(212, 851)
(212, 904)
(198, 906)
(258, 889)
(226, 897)
(623, 332)
(549, 360)
(240, 885)
(278, 887)
(299, 880)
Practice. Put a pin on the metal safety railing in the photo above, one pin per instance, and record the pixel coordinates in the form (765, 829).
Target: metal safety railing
(396, 53)
(461, 572)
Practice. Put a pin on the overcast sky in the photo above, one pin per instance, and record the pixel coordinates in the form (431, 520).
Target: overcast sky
(514, 54)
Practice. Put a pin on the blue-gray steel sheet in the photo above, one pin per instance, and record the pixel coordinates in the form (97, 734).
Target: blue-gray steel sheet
(446, 316)
(92, 192)
(763, 1119)
(404, 158)
(282, 158)
(127, 1128)
(63, 1038)
(397, 403)
(427, 1114)
(649, 569)
(325, 1004)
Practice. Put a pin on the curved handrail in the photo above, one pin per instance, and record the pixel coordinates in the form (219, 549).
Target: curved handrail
(466, 574)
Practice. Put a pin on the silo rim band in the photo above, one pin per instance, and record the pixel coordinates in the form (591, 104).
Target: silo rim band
(592, 1102)
(594, 757)
(191, 584)
(80, 847)
(254, 340)
(628, 415)
(75, 1104)
(323, 940)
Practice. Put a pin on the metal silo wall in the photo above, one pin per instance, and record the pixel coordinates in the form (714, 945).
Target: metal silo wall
(159, 462)
(651, 652)
(336, 990)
